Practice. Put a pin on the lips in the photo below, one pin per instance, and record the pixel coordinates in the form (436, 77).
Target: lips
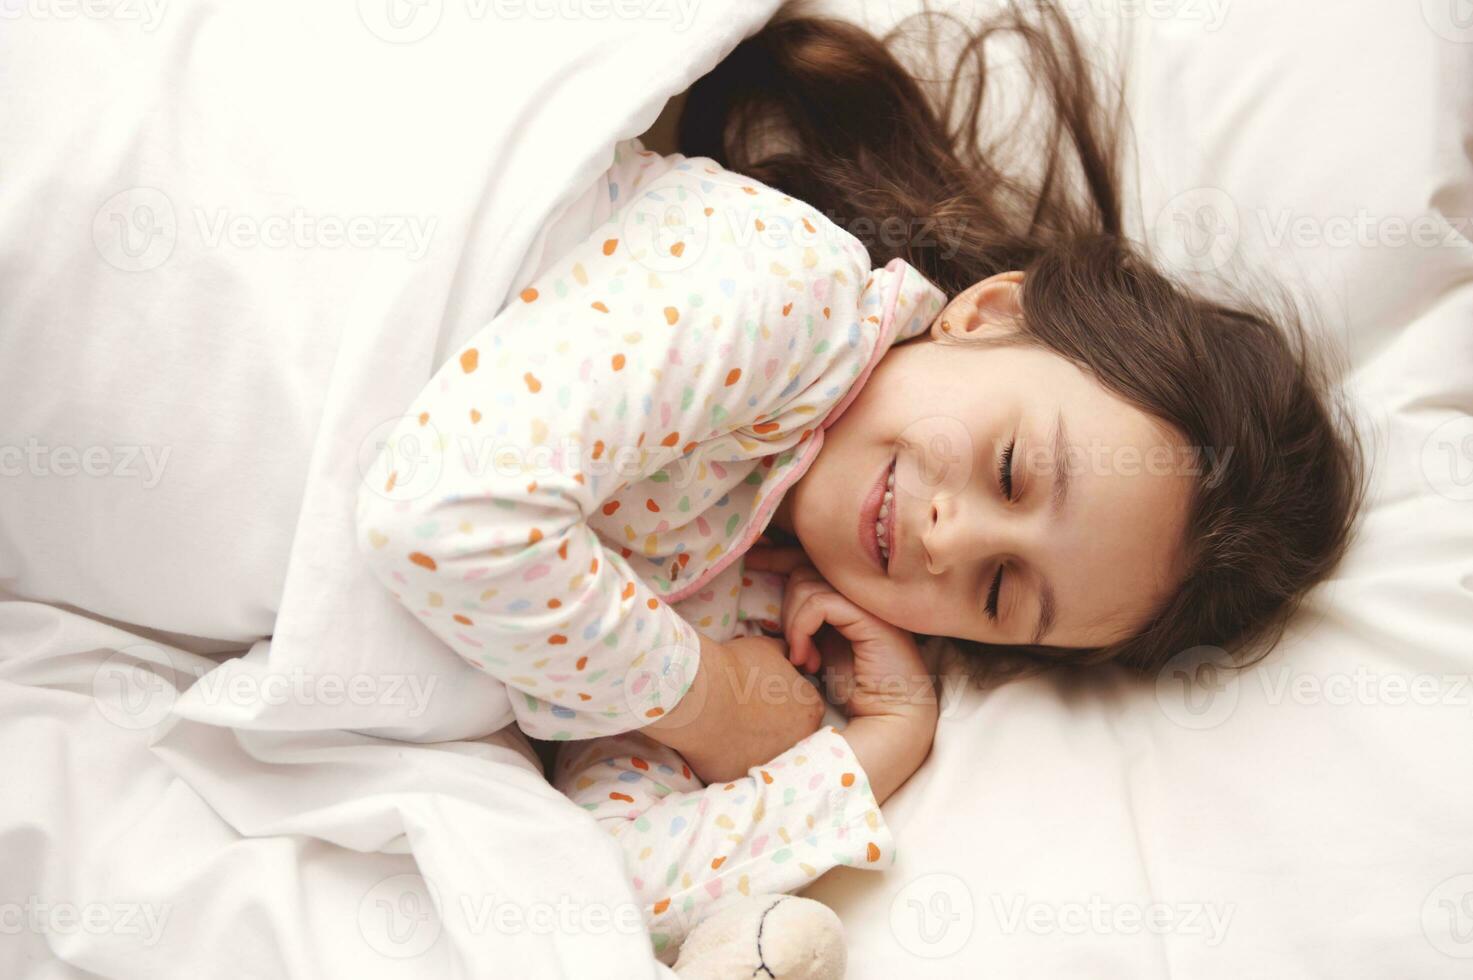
(869, 516)
(892, 531)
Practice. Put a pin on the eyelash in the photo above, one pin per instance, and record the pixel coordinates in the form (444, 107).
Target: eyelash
(992, 594)
(1005, 470)
(1004, 483)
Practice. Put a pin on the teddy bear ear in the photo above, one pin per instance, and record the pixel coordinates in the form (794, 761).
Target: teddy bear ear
(801, 940)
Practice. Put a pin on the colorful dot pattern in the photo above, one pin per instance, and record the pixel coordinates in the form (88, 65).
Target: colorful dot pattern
(604, 449)
(690, 848)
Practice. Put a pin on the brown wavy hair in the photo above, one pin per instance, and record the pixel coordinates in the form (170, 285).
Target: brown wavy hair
(826, 112)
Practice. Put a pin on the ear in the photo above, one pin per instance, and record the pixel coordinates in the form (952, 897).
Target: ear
(989, 307)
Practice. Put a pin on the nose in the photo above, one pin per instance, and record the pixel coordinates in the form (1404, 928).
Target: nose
(961, 529)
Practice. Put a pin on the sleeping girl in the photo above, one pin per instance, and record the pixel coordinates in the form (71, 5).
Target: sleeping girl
(941, 426)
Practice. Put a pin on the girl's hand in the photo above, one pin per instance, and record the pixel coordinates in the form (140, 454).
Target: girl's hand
(747, 705)
(872, 667)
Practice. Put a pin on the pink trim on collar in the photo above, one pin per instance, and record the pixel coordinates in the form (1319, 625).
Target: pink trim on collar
(759, 521)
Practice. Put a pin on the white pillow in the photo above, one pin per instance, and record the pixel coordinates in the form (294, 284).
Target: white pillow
(239, 237)
(1307, 818)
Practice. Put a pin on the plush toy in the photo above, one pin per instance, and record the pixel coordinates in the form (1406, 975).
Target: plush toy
(783, 937)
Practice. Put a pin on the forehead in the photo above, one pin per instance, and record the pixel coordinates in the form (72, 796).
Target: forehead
(1115, 547)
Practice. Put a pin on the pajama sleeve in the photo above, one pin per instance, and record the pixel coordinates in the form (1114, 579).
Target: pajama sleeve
(652, 337)
(690, 847)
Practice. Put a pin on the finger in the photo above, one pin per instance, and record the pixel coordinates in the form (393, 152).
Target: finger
(815, 657)
(855, 624)
(814, 663)
(794, 596)
(775, 559)
(807, 618)
(791, 604)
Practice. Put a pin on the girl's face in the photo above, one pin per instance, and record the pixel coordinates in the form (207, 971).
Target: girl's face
(1030, 504)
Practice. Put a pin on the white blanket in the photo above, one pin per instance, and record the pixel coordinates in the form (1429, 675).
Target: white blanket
(236, 239)
(136, 844)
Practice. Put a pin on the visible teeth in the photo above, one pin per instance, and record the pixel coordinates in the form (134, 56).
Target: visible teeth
(885, 504)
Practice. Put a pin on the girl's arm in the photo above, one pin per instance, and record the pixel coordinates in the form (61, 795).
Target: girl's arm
(776, 828)
(602, 373)
(748, 704)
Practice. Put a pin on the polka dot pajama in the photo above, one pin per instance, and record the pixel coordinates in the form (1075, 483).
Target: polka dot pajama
(566, 502)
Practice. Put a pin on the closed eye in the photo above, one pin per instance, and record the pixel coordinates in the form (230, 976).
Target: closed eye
(1005, 484)
(993, 593)
(1005, 470)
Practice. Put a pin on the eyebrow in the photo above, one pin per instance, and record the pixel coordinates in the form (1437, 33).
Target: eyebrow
(1047, 607)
